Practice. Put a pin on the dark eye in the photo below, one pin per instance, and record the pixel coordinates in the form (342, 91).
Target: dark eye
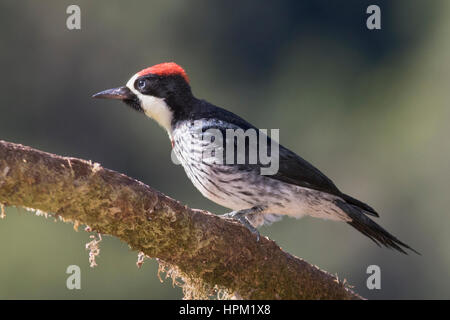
(141, 84)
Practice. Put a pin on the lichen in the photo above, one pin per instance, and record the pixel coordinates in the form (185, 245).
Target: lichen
(94, 249)
(2, 211)
(141, 258)
(193, 288)
(38, 212)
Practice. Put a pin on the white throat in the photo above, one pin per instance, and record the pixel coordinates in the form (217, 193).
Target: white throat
(154, 107)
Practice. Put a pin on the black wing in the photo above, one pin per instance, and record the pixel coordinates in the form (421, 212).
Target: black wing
(292, 168)
(295, 170)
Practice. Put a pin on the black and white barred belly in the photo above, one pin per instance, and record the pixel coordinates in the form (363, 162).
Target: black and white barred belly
(240, 187)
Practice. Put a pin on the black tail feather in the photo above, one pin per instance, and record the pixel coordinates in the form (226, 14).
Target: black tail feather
(372, 230)
(368, 209)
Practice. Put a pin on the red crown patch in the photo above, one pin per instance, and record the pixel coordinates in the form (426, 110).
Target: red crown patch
(165, 69)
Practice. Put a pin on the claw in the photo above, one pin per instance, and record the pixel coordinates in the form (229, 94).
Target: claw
(227, 215)
(251, 228)
(240, 216)
(257, 235)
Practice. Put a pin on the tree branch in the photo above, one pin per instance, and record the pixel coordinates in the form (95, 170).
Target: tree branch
(204, 249)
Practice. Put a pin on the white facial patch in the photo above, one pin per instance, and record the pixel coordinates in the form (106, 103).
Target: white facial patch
(154, 107)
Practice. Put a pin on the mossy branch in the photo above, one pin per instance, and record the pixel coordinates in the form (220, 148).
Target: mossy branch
(204, 249)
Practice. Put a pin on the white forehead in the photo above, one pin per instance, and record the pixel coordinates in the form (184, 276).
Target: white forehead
(154, 107)
(130, 83)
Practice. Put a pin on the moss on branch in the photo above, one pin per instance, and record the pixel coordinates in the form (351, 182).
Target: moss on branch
(208, 252)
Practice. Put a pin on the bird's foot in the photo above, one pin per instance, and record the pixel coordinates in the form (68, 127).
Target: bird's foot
(241, 216)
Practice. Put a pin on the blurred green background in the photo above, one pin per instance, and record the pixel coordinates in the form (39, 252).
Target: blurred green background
(369, 108)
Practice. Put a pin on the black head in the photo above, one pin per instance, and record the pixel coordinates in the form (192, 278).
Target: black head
(162, 92)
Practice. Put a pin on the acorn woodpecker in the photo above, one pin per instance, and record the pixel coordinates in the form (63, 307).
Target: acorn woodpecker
(163, 93)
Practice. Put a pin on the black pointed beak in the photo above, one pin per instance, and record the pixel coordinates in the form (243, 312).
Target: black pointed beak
(122, 93)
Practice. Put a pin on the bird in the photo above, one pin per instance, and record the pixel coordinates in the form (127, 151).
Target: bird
(163, 93)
